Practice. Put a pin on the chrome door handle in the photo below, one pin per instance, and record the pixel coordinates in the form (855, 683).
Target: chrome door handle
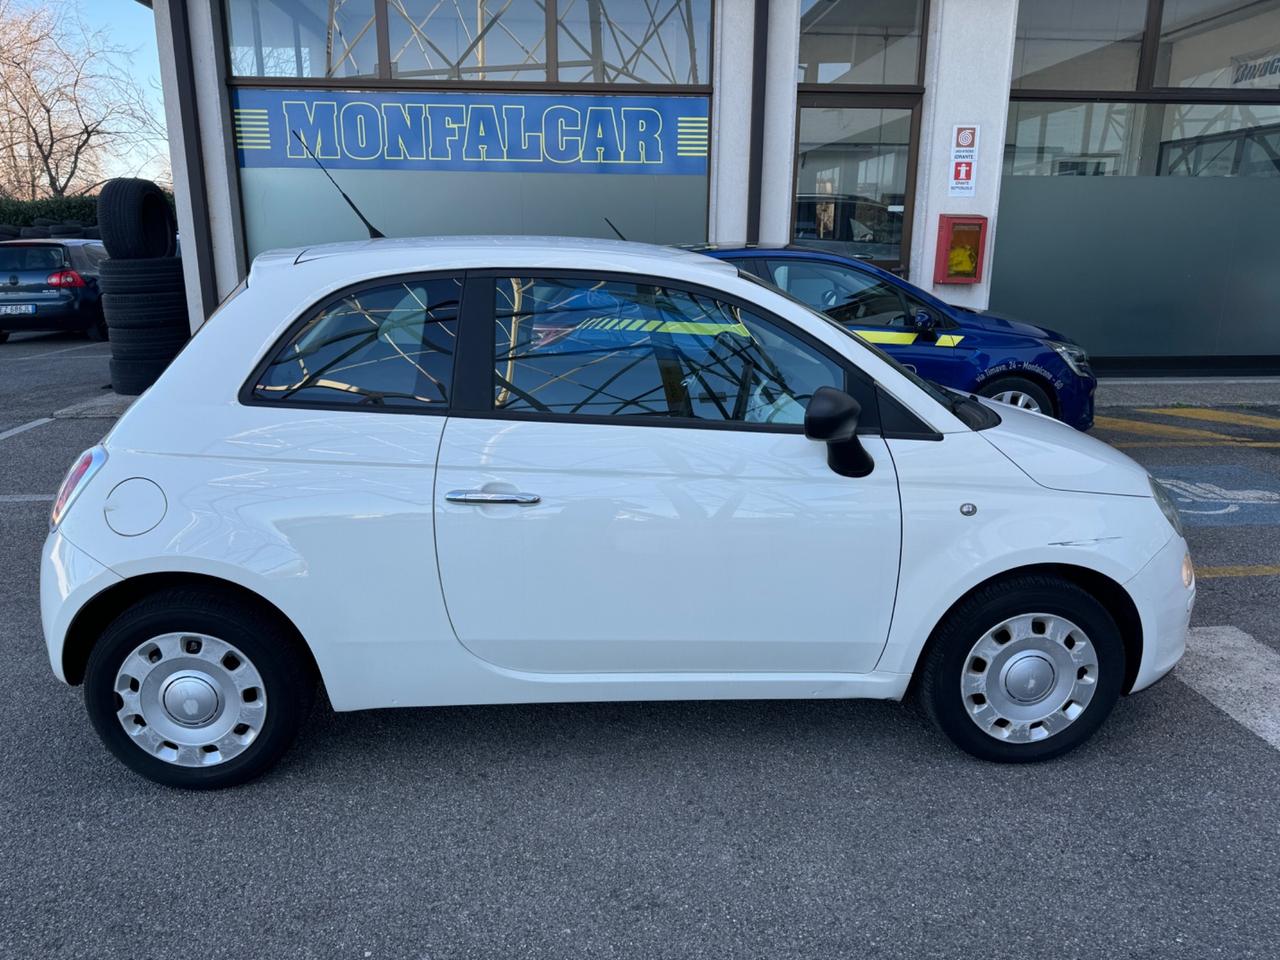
(481, 497)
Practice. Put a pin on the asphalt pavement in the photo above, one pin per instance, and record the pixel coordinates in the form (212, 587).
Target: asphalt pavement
(744, 829)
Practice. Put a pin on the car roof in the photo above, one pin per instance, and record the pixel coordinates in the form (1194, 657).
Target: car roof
(503, 251)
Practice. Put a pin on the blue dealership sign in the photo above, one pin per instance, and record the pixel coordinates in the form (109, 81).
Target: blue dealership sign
(427, 130)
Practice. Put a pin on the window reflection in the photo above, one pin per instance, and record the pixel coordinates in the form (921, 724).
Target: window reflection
(618, 349)
(390, 346)
(1225, 44)
(860, 41)
(852, 179)
(302, 38)
(1090, 45)
(1135, 139)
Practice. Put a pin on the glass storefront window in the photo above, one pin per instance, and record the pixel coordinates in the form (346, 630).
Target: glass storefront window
(1143, 139)
(852, 180)
(499, 41)
(431, 40)
(302, 38)
(1091, 45)
(856, 41)
(668, 41)
(1224, 44)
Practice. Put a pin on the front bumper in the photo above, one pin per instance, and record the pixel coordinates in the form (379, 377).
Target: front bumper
(1075, 401)
(1164, 605)
(69, 577)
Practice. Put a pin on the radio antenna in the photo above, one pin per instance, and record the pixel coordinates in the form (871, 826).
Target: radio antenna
(374, 232)
(614, 229)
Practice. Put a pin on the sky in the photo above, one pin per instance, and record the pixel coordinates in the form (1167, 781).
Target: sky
(130, 25)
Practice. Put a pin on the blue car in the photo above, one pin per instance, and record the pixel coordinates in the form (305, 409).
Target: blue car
(981, 353)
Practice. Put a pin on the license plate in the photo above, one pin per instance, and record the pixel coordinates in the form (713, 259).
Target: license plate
(9, 309)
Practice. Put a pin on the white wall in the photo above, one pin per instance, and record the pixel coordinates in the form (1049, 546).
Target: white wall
(968, 66)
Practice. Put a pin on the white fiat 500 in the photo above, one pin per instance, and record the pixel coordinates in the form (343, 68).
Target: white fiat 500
(512, 470)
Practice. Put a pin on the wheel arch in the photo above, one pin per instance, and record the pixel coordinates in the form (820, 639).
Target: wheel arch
(92, 618)
(1040, 381)
(1111, 594)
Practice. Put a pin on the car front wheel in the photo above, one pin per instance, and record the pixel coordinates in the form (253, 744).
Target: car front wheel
(191, 689)
(1023, 670)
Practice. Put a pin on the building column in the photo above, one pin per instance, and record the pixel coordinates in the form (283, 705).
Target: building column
(777, 169)
(968, 68)
(731, 59)
(197, 114)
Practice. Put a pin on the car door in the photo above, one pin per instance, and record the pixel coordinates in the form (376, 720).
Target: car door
(634, 492)
(879, 311)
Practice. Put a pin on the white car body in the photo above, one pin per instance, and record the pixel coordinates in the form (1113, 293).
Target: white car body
(663, 562)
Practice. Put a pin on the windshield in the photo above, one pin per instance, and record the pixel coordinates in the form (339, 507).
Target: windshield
(933, 390)
(18, 258)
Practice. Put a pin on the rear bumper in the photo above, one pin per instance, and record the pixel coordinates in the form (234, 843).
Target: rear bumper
(70, 315)
(1164, 606)
(69, 577)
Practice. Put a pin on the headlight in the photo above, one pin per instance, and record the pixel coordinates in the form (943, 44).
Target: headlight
(1166, 505)
(1075, 357)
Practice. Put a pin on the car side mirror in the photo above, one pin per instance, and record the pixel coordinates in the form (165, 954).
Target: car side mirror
(924, 322)
(832, 418)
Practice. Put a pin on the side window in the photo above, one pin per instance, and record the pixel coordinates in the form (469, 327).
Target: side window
(385, 346)
(621, 349)
(845, 295)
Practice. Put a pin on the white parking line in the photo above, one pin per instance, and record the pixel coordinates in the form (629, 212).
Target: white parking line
(64, 350)
(25, 427)
(1238, 675)
(26, 497)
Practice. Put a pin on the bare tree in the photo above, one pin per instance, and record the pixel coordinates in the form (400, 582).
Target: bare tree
(70, 111)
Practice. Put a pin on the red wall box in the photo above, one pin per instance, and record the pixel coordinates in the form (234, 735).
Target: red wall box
(962, 249)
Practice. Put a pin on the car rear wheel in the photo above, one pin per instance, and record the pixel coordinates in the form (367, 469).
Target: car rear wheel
(1019, 392)
(192, 690)
(4, 335)
(1023, 670)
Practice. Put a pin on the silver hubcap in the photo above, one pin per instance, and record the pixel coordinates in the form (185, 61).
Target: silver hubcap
(190, 699)
(1029, 677)
(1016, 398)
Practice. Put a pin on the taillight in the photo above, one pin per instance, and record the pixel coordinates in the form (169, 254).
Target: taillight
(65, 278)
(77, 477)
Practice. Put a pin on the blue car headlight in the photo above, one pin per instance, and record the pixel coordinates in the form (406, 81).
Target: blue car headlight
(1074, 356)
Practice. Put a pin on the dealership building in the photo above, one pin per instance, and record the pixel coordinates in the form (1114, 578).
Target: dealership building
(1106, 168)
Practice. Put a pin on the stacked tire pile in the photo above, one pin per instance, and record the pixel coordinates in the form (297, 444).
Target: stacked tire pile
(43, 228)
(143, 296)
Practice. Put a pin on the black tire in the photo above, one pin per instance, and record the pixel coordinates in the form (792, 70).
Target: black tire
(91, 233)
(288, 681)
(34, 233)
(131, 377)
(42, 222)
(160, 275)
(4, 335)
(159, 352)
(1021, 385)
(135, 220)
(129, 337)
(66, 233)
(8, 230)
(169, 302)
(948, 655)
